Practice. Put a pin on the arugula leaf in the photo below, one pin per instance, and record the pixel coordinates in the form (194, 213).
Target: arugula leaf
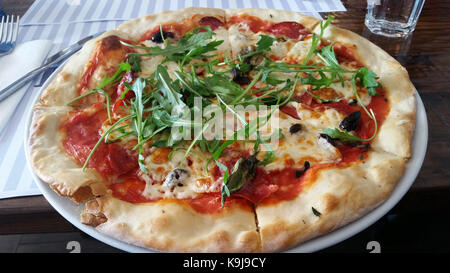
(269, 79)
(243, 67)
(368, 79)
(193, 45)
(123, 68)
(318, 82)
(135, 63)
(170, 99)
(316, 39)
(341, 135)
(329, 57)
(264, 43)
(138, 125)
(225, 191)
(224, 87)
(243, 170)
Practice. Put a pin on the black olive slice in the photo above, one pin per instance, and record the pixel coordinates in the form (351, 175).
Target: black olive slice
(306, 166)
(158, 38)
(351, 122)
(329, 139)
(295, 128)
(238, 77)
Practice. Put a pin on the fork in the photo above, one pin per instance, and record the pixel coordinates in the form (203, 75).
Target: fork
(8, 34)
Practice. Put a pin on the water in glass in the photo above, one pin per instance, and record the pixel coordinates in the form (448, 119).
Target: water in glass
(393, 18)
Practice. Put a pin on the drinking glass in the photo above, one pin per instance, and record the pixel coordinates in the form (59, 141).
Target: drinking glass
(393, 18)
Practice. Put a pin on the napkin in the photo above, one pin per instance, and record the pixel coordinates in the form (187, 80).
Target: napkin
(23, 59)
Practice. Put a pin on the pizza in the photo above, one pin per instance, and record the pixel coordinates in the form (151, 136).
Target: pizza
(210, 130)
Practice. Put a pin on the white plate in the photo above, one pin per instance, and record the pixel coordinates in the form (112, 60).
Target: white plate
(71, 211)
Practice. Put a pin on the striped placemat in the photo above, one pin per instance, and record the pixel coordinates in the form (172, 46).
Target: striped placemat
(65, 22)
(57, 11)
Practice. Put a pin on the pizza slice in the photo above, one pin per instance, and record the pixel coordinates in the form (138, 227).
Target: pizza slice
(336, 75)
(96, 138)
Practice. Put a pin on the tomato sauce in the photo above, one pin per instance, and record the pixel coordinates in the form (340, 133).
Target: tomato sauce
(82, 132)
(271, 185)
(131, 189)
(210, 203)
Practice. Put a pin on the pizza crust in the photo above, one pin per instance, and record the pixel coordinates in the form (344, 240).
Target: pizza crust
(174, 226)
(341, 195)
(52, 164)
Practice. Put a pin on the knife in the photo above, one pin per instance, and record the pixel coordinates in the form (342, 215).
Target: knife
(52, 60)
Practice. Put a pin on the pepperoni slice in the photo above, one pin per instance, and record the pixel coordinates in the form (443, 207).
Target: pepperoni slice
(290, 110)
(213, 22)
(344, 53)
(292, 30)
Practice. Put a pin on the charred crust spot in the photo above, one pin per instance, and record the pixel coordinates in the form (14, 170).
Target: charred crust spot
(331, 201)
(93, 219)
(110, 43)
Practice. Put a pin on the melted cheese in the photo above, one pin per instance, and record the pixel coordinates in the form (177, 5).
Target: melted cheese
(242, 39)
(197, 181)
(299, 51)
(305, 145)
(346, 92)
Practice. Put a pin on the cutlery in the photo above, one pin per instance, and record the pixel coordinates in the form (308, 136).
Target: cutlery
(52, 60)
(8, 34)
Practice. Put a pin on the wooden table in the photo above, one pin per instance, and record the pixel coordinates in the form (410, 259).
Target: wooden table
(424, 210)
